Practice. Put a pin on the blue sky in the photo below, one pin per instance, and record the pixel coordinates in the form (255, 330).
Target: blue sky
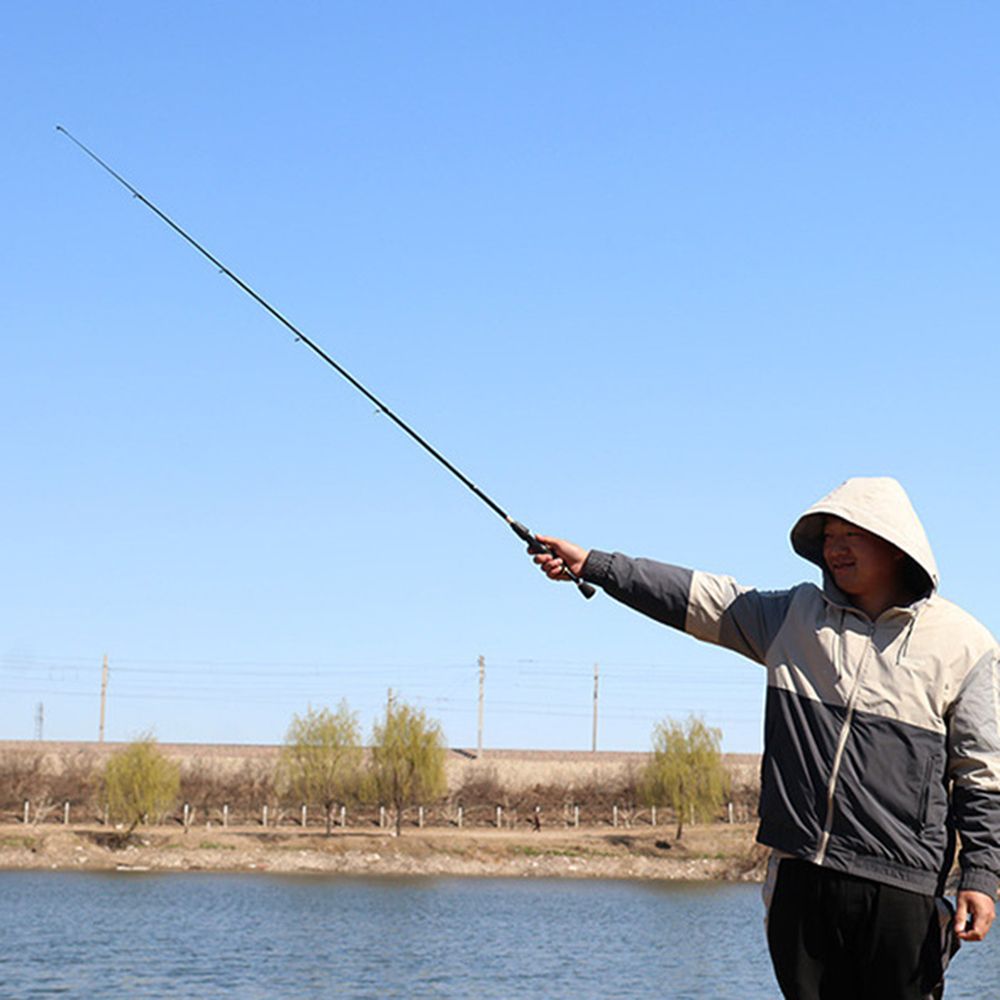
(655, 276)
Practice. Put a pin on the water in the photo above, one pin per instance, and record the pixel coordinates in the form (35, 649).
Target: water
(199, 935)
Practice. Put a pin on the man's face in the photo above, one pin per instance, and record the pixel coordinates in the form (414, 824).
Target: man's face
(861, 564)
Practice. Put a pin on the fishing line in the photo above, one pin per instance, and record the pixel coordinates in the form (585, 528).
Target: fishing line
(525, 534)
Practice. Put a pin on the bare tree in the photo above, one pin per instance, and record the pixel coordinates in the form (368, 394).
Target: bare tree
(76, 779)
(21, 777)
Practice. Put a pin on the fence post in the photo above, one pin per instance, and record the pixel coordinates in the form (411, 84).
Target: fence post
(27, 812)
(343, 816)
(225, 814)
(381, 817)
(187, 816)
(263, 815)
(576, 817)
(652, 812)
(614, 816)
(730, 810)
(303, 815)
(460, 817)
(420, 817)
(66, 814)
(499, 816)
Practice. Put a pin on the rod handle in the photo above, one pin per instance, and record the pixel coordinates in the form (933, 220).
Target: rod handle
(535, 546)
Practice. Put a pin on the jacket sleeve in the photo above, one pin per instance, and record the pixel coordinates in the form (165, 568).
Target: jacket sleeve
(710, 607)
(974, 766)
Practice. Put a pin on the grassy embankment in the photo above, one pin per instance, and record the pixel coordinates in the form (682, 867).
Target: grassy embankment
(711, 851)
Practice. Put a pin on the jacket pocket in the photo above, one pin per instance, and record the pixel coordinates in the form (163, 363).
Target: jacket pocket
(926, 786)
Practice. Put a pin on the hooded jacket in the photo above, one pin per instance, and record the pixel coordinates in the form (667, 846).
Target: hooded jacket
(881, 738)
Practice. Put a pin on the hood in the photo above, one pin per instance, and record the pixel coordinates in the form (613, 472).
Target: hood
(879, 505)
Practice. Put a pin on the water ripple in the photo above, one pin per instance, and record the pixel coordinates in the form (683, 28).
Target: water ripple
(207, 935)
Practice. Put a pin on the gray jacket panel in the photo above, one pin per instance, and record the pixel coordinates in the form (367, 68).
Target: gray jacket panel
(972, 767)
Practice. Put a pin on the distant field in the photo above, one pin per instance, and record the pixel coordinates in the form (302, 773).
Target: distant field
(513, 769)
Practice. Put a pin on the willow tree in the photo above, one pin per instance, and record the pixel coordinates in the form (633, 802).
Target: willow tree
(140, 784)
(407, 759)
(321, 759)
(686, 770)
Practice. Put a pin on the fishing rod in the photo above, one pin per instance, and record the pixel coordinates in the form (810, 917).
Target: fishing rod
(525, 534)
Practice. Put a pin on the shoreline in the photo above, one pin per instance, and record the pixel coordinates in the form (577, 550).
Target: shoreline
(716, 852)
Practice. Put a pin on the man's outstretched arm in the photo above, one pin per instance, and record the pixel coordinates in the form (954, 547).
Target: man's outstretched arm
(708, 606)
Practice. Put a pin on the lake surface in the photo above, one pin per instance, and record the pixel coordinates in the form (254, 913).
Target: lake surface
(201, 935)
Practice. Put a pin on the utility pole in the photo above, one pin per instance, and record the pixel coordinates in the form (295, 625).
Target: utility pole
(482, 683)
(39, 720)
(593, 737)
(104, 697)
(389, 701)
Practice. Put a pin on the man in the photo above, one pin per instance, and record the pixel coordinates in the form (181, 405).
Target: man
(881, 741)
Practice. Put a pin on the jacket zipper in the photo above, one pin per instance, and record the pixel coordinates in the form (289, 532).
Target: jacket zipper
(845, 732)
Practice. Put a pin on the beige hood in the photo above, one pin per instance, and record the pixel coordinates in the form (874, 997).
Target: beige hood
(879, 505)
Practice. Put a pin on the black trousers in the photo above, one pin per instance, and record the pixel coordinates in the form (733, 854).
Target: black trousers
(839, 937)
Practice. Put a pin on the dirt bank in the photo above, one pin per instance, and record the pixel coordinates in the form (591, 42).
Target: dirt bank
(717, 851)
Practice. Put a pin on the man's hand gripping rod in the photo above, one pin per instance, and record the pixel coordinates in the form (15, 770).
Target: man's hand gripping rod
(534, 545)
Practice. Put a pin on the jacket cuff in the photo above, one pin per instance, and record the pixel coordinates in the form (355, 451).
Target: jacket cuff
(597, 567)
(979, 880)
